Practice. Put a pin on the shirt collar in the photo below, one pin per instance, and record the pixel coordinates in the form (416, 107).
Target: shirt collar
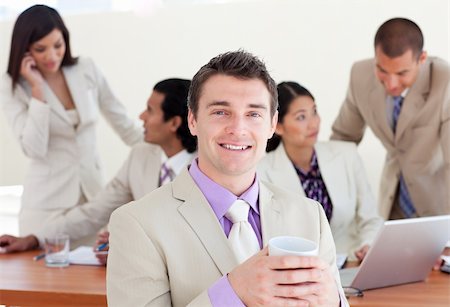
(314, 166)
(178, 161)
(403, 94)
(219, 198)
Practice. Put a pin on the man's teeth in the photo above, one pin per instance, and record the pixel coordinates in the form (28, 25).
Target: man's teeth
(235, 147)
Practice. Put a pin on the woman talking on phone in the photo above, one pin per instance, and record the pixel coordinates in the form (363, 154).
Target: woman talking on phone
(52, 101)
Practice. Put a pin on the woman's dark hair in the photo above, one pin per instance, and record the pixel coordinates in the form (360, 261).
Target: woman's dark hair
(175, 104)
(33, 24)
(287, 93)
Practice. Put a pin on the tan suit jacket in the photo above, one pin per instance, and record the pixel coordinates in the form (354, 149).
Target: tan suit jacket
(420, 148)
(355, 220)
(138, 176)
(168, 248)
(64, 162)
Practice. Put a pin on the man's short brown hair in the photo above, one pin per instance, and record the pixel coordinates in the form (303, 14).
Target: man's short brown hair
(398, 35)
(239, 64)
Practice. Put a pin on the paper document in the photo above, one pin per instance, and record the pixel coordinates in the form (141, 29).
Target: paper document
(84, 255)
(340, 260)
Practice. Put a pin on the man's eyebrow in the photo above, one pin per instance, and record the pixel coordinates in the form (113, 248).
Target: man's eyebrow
(397, 72)
(258, 106)
(381, 68)
(218, 103)
(227, 104)
(402, 71)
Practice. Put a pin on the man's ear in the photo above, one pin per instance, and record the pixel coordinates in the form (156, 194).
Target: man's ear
(175, 123)
(423, 57)
(279, 129)
(192, 123)
(274, 124)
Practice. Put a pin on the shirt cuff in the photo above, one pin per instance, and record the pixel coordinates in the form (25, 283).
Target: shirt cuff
(221, 294)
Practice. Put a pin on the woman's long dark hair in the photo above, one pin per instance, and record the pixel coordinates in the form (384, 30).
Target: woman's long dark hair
(33, 24)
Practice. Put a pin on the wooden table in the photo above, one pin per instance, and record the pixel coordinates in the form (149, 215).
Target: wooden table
(433, 292)
(25, 282)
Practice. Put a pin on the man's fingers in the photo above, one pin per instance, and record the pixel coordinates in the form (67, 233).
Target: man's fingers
(296, 276)
(298, 290)
(102, 257)
(6, 240)
(296, 262)
(14, 246)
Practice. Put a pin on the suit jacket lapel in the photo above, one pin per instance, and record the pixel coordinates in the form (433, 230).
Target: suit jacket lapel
(414, 100)
(332, 169)
(199, 215)
(377, 104)
(78, 89)
(283, 171)
(151, 171)
(270, 214)
(54, 103)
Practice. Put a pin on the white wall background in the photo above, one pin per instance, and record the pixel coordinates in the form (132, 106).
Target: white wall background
(313, 42)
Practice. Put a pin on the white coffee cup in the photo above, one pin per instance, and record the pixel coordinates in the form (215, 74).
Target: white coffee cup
(288, 245)
(57, 250)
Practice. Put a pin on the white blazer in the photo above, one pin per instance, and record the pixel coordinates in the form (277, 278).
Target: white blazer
(64, 162)
(355, 221)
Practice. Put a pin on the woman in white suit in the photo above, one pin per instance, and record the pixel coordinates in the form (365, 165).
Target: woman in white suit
(52, 102)
(330, 172)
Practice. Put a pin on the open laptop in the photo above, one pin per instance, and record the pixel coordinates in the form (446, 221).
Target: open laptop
(403, 251)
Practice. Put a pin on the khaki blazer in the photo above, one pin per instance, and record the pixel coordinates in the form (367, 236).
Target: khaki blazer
(64, 162)
(138, 176)
(420, 149)
(355, 220)
(168, 248)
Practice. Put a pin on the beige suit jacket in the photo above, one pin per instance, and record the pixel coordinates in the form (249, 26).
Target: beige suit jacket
(64, 162)
(168, 247)
(138, 176)
(420, 149)
(355, 220)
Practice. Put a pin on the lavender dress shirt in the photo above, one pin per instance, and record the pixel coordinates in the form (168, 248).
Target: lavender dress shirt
(221, 293)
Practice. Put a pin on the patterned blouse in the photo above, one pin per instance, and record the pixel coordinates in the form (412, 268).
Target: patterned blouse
(314, 186)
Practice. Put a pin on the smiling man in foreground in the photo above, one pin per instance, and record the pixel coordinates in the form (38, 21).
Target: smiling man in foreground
(178, 245)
